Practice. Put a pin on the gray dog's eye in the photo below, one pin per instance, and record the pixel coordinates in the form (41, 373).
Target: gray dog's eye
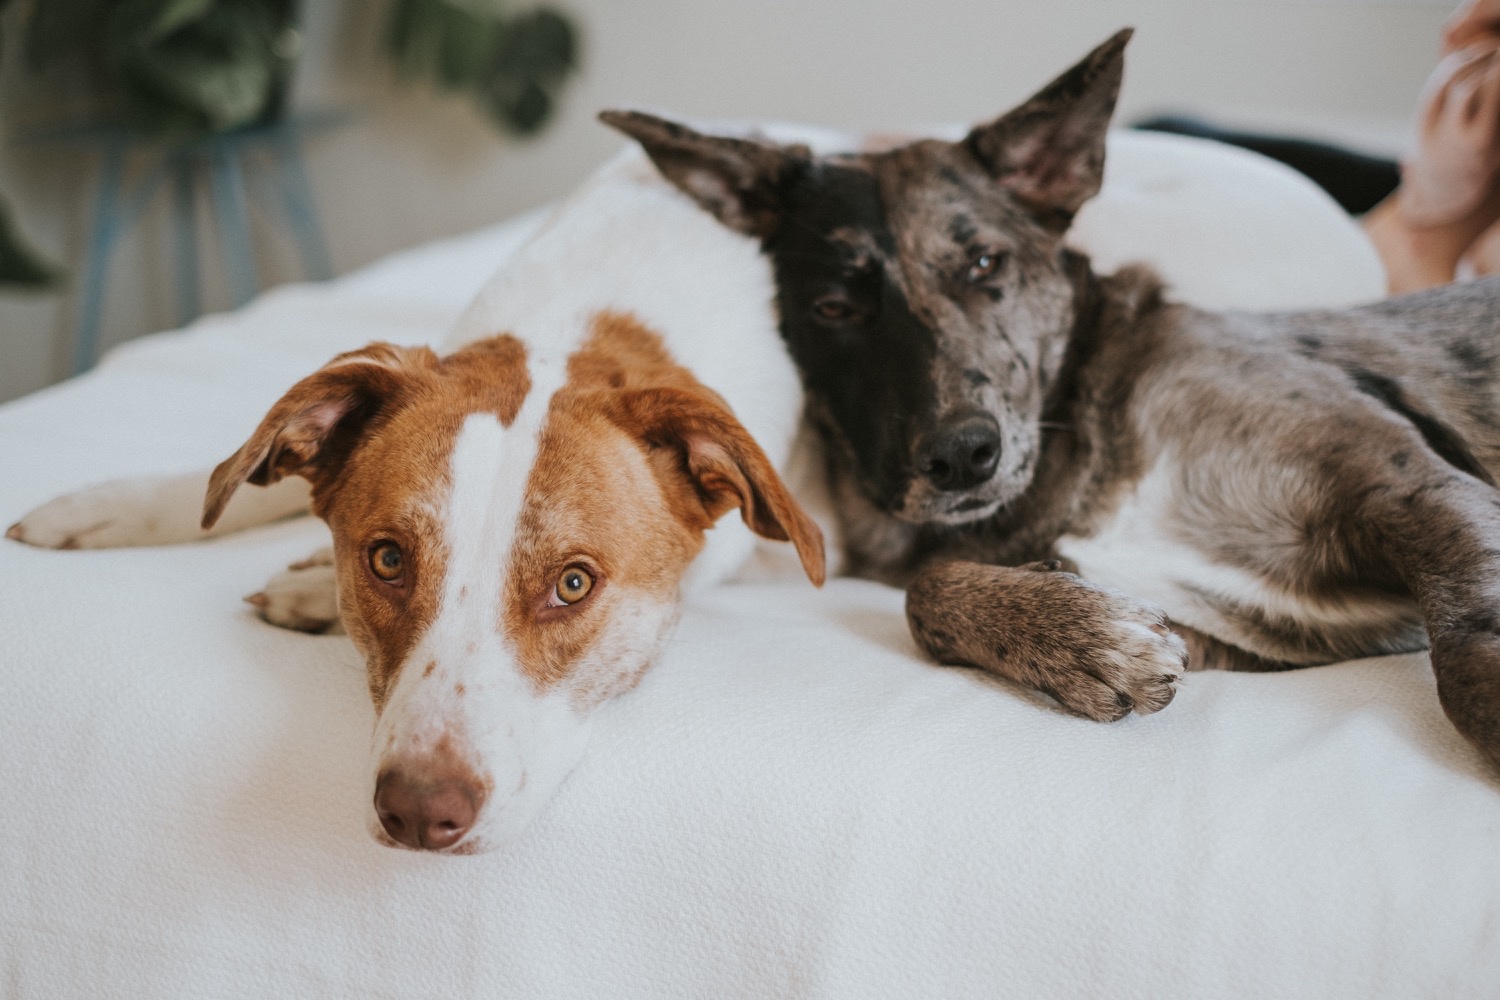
(833, 308)
(986, 265)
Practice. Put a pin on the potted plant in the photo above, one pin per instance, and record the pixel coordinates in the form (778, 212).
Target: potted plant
(183, 70)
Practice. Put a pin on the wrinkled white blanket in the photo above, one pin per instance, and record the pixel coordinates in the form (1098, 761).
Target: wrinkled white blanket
(792, 803)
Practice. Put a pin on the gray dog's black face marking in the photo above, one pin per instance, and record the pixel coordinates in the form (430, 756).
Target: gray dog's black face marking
(900, 304)
(1293, 489)
(923, 292)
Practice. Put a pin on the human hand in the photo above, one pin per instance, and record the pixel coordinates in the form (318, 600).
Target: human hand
(1454, 167)
(1473, 21)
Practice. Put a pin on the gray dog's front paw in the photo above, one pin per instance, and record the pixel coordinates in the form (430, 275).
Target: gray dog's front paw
(1100, 653)
(304, 598)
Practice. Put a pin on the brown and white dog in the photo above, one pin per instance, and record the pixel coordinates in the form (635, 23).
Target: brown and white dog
(513, 521)
(1292, 489)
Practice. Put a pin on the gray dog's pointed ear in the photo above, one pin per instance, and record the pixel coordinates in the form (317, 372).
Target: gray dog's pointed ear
(739, 180)
(1050, 150)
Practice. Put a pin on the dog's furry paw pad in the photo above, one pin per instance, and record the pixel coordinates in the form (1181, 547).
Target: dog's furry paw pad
(83, 520)
(1098, 652)
(304, 598)
(1132, 663)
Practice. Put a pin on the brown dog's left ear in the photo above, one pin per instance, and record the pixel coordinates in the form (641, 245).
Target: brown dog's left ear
(724, 467)
(740, 181)
(1050, 150)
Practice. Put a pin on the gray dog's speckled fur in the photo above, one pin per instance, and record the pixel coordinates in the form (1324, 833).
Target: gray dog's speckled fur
(1309, 487)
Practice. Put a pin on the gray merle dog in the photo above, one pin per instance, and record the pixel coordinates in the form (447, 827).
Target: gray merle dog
(1291, 489)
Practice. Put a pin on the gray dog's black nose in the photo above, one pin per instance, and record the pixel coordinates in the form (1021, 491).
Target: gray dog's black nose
(962, 453)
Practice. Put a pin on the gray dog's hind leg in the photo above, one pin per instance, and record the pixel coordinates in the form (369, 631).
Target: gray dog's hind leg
(1443, 536)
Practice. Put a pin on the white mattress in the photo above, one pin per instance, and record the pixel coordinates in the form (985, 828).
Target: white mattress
(792, 803)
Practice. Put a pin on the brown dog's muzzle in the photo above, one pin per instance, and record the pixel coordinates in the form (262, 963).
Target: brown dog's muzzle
(427, 811)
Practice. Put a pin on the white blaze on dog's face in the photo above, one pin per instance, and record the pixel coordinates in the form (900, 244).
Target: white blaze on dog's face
(510, 536)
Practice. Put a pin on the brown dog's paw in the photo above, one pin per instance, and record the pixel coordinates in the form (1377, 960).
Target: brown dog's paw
(1098, 652)
(304, 598)
(83, 520)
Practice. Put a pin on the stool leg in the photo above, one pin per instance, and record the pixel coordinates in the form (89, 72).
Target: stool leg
(301, 210)
(228, 185)
(102, 234)
(185, 221)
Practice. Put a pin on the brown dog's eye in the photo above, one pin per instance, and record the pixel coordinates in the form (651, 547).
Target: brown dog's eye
(986, 265)
(573, 586)
(387, 562)
(833, 308)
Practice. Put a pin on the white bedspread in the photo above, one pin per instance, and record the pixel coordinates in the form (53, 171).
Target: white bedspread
(792, 803)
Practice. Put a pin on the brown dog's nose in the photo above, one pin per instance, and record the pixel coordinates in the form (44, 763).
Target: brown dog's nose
(426, 813)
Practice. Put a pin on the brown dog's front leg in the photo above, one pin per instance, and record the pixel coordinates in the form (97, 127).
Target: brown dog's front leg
(1098, 652)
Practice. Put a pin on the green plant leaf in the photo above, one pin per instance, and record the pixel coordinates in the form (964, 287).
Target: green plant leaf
(212, 74)
(137, 23)
(519, 106)
(63, 31)
(540, 45)
(3, 5)
(535, 54)
(444, 42)
(509, 66)
(20, 266)
(184, 92)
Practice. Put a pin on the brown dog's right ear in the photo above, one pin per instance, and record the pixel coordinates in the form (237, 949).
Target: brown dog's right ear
(727, 469)
(313, 428)
(740, 181)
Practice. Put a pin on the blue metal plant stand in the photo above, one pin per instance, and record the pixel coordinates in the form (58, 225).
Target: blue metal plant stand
(221, 159)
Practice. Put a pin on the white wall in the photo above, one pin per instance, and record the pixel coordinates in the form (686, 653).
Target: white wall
(416, 166)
